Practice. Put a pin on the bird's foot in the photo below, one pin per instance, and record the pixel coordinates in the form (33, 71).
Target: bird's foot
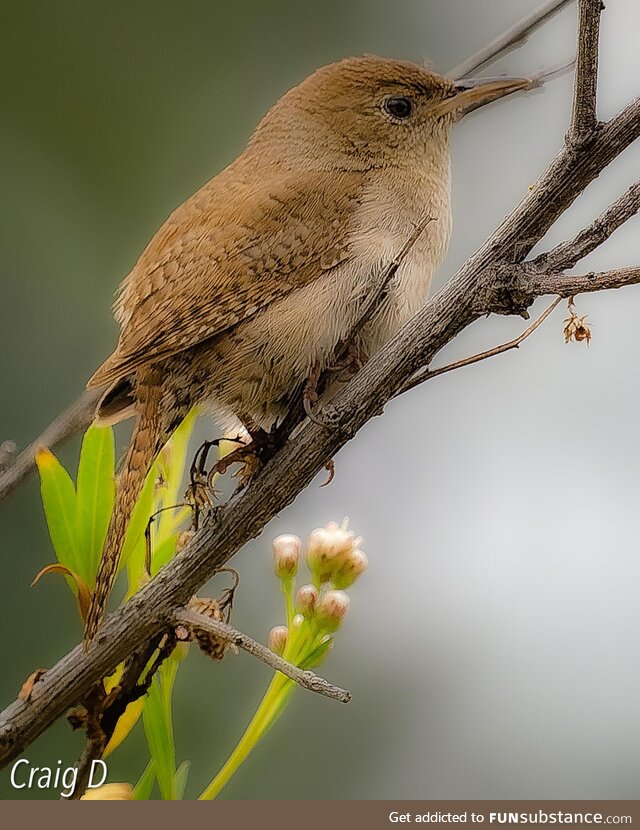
(349, 363)
(200, 494)
(250, 454)
(352, 358)
(310, 395)
(330, 467)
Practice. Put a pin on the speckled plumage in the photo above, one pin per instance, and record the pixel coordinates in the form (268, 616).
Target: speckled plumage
(251, 283)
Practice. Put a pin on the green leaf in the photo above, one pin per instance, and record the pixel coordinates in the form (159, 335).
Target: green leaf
(59, 502)
(133, 549)
(172, 464)
(169, 470)
(180, 779)
(162, 552)
(95, 497)
(143, 788)
(158, 727)
(317, 655)
(75, 581)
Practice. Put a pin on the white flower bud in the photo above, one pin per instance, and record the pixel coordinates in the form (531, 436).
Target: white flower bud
(286, 553)
(331, 610)
(306, 600)
(327, 548)
(353, 565)
(278, 637)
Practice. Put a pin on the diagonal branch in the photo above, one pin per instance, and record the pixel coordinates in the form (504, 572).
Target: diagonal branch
(306, 679)
(515, 36)
(69, 423)
(584, 117)
(567, 254)
(567, 285)
(428, 374)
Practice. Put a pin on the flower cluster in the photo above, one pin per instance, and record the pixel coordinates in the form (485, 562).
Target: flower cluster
(316, 610)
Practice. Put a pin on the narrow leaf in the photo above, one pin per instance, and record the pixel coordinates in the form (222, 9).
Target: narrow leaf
(180, 779)
(59, 502)
(125, 724)
(172, 464)
(317, 655)
(143, 788)
(82, 592)
(133, 547)
(158, 728)
(27, 687)
(95, 497)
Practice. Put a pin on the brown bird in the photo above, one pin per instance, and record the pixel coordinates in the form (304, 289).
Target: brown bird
(249, 286)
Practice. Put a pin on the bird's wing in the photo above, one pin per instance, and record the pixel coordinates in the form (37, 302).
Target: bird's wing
(229, 251)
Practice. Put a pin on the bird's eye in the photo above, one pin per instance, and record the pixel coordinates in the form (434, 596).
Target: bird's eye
(398, 107)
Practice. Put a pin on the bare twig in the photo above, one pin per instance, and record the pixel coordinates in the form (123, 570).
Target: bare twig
(584, 117)
(7, 454)
(69, 423)
(306, 679)
(428, 374)
(514, 36)
(567, 285)
(567, 254)
(490, 281)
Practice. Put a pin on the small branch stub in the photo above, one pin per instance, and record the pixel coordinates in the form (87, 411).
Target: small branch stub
(584, 117)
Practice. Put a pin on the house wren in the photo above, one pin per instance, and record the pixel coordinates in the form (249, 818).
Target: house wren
(250, 285)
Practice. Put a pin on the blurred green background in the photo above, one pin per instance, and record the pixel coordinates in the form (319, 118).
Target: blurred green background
(492, 646)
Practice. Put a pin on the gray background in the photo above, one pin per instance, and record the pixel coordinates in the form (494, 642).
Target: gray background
(492, 646)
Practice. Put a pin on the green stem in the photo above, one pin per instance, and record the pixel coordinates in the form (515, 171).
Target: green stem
(287, 590)
(271, 706)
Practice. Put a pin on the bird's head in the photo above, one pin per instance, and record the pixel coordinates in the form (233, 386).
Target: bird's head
(367, 112)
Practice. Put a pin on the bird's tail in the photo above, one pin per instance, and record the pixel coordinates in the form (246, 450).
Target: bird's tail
(150, 434)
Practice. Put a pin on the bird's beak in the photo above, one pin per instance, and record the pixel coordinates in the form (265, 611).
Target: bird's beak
(471, 93)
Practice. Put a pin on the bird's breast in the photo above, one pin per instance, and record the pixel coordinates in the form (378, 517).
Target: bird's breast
(389, 214)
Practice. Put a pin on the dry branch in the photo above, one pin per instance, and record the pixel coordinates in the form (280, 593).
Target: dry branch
(73, 420)
(567, 254)
(568, 285)
(223, 631)
(494, 279)
(515, 36)
(428, 374)
(584, 117)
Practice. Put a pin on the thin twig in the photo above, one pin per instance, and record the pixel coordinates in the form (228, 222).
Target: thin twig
(73, 420)
(428, 374)
(583, 116)
(567, 254)
(93, 749)
(217, 628)
(567, 285)
(543, 282)
(514, 36)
